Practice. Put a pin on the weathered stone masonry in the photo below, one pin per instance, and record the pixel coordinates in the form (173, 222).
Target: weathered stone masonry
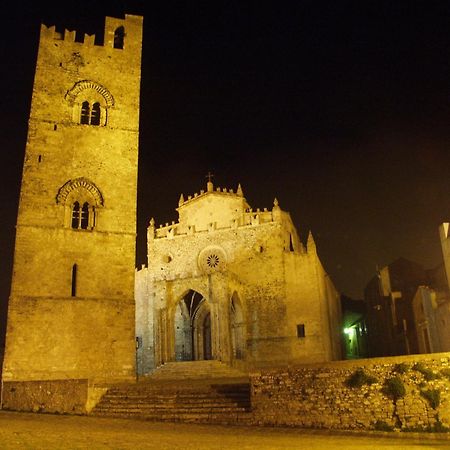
(71, 307)
(317, 396)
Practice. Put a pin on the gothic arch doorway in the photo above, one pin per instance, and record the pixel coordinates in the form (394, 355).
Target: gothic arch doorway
(192, 328)
(237, 328)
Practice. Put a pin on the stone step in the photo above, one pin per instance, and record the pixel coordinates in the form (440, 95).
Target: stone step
(195, 369)
(177, 410)
(220, 419)
(193, 391)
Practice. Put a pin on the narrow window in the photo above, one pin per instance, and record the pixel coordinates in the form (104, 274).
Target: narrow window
(85, 113)
(95, 114)
(84, 219)
(291, 243)
(74, 280)
(301, 330)
(75, 215)
(119, 35)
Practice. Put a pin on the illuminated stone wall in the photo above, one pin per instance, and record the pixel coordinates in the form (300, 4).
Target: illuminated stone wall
(318, 396)
(71, 308)
(224, 250)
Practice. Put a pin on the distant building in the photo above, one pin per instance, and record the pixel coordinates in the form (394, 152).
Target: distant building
(432, 303)
(235, 284)
(390, 317)
(408, 308)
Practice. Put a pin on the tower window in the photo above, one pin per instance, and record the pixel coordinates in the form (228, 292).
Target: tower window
(75, 215)
(95, 114)
(301, 330)
(74, 280)
(119, 36)
(81, 215)
(88, 115)
(85, 113)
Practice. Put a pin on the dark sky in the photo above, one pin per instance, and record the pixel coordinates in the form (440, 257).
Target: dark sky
(339, 109)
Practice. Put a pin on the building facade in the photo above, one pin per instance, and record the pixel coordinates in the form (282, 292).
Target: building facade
(229, 283)
(71, 307)
(389, 302)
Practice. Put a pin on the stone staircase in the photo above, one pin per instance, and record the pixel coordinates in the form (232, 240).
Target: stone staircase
(196, 370)
(194, 391)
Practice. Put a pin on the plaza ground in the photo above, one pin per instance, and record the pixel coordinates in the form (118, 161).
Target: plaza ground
(45, 431)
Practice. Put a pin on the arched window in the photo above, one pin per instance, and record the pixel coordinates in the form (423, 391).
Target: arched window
(90, 103)
(90, 116)
(119, 36)
(75, 215)
(95, 114)
(84, 219)
(81, 200)
(81, 216)
(85, 113)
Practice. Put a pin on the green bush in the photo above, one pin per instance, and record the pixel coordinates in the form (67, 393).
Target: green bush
(359, 378)
(401, 368)
(445, 373)
(394, 388)
(428, 374)
(433, 396)
(381, 425)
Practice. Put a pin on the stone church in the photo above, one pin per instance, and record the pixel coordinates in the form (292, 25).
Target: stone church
(235, 284)
(225, 282)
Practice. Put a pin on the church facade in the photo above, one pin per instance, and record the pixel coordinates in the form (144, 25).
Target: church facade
(224, 282)
(235, 284)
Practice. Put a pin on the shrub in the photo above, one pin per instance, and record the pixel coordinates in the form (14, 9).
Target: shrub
(394, 388)
(433, 396)
(445, 373)
(381, 425)
(401, 368)
(428, 374)
(359, 378)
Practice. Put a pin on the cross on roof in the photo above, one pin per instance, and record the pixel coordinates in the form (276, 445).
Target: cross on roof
(209, 176)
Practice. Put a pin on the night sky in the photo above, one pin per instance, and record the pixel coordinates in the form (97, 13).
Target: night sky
(339, 109)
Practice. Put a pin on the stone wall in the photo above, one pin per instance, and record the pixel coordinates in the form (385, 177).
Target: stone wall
(55, 396)
(319, 395)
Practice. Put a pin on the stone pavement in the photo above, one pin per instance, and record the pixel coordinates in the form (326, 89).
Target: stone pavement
(49, 432)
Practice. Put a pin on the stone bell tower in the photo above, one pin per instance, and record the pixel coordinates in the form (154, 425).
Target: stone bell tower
(71, 307)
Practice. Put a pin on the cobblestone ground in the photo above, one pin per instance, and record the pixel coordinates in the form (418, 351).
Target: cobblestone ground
(43, 431)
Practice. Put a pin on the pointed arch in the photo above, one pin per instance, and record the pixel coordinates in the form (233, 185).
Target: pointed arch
(192, 324)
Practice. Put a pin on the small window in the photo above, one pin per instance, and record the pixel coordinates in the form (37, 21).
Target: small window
(90, 116)
(95, 115)
(301, 330)
(85, 113)
(81, 215)
(84, 219)
(74, 280)
(291, 243)
(119, 36)
(75, 215)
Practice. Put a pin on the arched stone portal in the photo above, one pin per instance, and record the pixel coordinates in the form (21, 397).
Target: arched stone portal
(192, 328)
(237, 328)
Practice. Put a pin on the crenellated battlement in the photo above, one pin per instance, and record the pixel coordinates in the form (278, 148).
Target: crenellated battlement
(249, 218)
(114, 33)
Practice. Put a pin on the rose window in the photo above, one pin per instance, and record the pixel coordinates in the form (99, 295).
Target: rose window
(212, 259)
